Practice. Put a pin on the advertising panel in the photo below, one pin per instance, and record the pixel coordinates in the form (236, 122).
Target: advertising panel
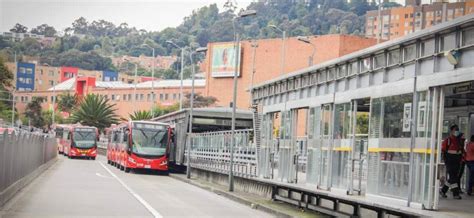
(223, 60)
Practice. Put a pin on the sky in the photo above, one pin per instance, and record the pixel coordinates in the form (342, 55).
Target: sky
(151, 15)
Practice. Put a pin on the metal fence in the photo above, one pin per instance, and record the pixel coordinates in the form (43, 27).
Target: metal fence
(211, 151)
(22, 152)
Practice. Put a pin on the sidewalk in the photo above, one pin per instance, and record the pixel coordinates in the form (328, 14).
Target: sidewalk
(277, 208)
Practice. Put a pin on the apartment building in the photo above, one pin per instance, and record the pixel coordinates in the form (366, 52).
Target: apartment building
(415, 16)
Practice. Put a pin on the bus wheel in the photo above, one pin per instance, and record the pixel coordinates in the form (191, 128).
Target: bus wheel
(122, 168)
(108, 161)
(127, 169)
(92, 158)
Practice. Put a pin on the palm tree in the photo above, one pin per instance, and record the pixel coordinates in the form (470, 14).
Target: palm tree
(141, 115)
(67, 102)
(95, 110)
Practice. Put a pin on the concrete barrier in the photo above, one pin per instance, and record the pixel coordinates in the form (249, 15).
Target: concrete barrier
(23, 156)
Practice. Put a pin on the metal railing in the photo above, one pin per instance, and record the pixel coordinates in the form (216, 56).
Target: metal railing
(211, 151)
(21, 153)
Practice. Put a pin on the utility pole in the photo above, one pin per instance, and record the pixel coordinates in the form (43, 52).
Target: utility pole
(181, 82)
(254, 45)
(379, 35)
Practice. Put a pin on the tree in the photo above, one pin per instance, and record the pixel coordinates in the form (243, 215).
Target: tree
(199, 100)
(141, 115)
(95, 110)
(67, 102)
(80, 26)
(44, 29)
(34, 112)
(48, 117)
(160, 110)
(6, 77)
(18, 28)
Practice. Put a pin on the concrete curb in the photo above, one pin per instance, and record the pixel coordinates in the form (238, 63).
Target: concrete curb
(234, 197)
(14, 188)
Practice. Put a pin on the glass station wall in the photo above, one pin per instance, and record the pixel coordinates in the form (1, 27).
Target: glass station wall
(314, 146)
(389, 146)
(342, 145)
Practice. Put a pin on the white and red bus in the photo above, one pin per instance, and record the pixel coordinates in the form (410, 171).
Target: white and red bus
(62, 132)
(139, 145)
(78, 141)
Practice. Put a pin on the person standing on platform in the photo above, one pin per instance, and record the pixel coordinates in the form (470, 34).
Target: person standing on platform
(452, 151)
(470, 164)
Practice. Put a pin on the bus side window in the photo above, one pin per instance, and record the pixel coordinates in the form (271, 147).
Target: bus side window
(115, 136)
(125, 135)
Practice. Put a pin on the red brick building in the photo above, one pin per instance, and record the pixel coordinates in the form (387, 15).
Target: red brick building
(267, 62)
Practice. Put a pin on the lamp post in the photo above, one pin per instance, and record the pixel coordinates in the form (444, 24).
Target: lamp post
(152, 80)
(306, 40)
(283, 48)
(135, 85)
(181, 72)
(191, 105)
(246, 13)
(254, 45)
(13, 91)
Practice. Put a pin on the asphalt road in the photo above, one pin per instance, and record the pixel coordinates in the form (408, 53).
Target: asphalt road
(80, 188)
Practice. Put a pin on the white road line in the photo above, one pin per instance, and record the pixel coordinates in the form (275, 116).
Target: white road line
(140, 199)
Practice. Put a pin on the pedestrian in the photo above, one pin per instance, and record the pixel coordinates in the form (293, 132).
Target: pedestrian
(469, 157)
(462, 167)
(452, 156)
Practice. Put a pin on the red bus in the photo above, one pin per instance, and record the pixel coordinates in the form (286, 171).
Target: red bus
(139, 145)
(62, 132)
(78, 141)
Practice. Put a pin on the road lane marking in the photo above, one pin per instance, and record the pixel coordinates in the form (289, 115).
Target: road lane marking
(100, 175)
(140, 199)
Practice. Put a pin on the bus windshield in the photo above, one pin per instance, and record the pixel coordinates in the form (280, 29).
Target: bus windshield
(149, 141)
(85, 138)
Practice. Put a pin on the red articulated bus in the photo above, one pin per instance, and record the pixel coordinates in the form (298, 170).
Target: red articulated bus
(62, 132)
(78, 141)
(139, 145)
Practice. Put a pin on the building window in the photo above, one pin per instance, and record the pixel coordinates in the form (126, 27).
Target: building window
(427, 47)
(129, 97)
(51, 73)
(174, 96)
(379, 61)
(331, 73)
(353, 68)
(447, 42)
(166, 96)
(142, 97)
(409, 53)
(148, 97)
(137, 97)
(468, 37)
(113, 97)
(161, 96)
(322, 76)
(22, 70)
(365, 65)
(393, 57)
